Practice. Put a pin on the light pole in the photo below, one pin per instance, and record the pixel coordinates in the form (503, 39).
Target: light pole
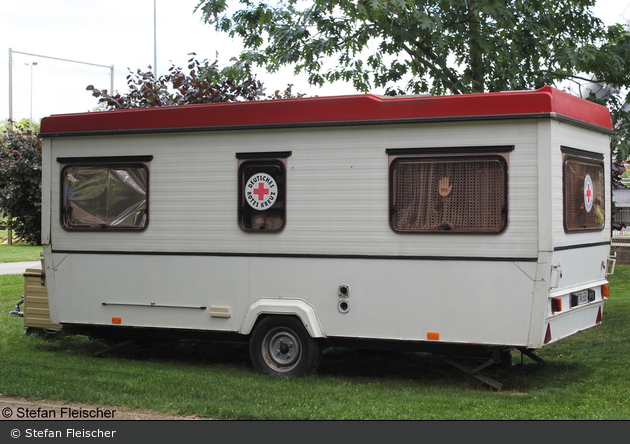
(155, 39)
(30, 119)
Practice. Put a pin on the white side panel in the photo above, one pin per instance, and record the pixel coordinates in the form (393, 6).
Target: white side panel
(546, 191)
(194, 255)
(337, 191)
(575, 137)
(569, 262)
(463, 301)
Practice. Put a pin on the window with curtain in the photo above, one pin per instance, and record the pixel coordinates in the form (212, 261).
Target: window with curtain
(449, 194)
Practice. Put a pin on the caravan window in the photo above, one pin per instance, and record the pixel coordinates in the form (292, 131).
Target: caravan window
(262, 191)
(448, 193)
(97, 195)
(583, 190)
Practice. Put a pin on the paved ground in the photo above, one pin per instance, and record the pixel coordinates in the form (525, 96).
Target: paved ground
(15, 409)
(18, 267)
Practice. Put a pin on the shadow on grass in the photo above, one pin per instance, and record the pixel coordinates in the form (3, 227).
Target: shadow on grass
(353, 364)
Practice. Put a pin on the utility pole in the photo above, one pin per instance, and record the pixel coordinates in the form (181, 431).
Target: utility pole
(30, 118)
(10, 88)
(11, 52)
(155, 38)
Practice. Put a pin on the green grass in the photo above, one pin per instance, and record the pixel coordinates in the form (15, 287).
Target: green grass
(585, 379)
(19, 253)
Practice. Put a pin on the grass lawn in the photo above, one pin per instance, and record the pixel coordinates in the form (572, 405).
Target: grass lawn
(585, 379)
(20, 252)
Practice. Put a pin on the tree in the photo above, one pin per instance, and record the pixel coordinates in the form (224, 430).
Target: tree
(20, 182)
(204, 83)
(435, 46)
(439, 46)
(609, 65)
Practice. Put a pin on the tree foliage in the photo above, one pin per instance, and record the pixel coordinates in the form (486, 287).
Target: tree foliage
(609, 66)
(439, 45)
(204, 82)
(434, 46)
(20, 182)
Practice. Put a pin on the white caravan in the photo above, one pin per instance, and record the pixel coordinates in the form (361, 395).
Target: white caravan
(473, 222)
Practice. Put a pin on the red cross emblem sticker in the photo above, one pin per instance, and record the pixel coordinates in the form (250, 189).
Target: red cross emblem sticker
(589, 192)
(261, 191)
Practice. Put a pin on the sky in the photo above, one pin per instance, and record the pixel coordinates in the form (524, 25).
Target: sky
(121, 33)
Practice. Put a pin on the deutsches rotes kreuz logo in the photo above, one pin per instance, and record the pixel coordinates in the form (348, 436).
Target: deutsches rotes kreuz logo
(261, 191)
(588, 193)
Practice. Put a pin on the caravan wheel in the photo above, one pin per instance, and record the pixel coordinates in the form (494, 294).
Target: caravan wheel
(281, 346)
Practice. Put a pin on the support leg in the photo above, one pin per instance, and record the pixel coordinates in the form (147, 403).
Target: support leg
(530, 354)
(475, 372)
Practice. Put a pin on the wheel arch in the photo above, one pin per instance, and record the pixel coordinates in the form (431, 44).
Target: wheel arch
(296, 307)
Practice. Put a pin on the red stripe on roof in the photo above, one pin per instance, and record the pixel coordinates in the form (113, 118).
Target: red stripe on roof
(331, 110)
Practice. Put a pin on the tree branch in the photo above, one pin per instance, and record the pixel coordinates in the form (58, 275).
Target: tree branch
(448, 78)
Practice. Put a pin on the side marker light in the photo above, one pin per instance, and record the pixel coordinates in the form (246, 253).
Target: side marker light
(548, 334)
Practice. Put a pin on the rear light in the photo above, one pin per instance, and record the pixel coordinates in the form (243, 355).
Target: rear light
(556, 305)
(605, 291)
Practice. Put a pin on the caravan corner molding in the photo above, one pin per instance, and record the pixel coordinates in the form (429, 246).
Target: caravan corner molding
(478, 220)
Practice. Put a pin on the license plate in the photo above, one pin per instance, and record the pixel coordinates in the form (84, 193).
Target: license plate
(580, 297)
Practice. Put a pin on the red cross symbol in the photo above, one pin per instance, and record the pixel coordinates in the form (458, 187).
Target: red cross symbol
(589, 192)
(261, 191)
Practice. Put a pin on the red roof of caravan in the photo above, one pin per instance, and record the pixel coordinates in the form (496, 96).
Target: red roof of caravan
(336, 110)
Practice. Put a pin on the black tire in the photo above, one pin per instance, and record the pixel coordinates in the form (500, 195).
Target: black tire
(281, 346)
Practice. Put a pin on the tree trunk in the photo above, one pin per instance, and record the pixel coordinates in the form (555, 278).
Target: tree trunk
(9, 232)
(477, 71)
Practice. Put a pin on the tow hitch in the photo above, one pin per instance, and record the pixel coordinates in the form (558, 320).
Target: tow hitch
(17, 313)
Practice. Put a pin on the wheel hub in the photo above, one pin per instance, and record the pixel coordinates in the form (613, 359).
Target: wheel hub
(282, 349)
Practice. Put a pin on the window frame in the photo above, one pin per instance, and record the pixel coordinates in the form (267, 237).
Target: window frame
(103, 162)
(586, 158)
(498, 153)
